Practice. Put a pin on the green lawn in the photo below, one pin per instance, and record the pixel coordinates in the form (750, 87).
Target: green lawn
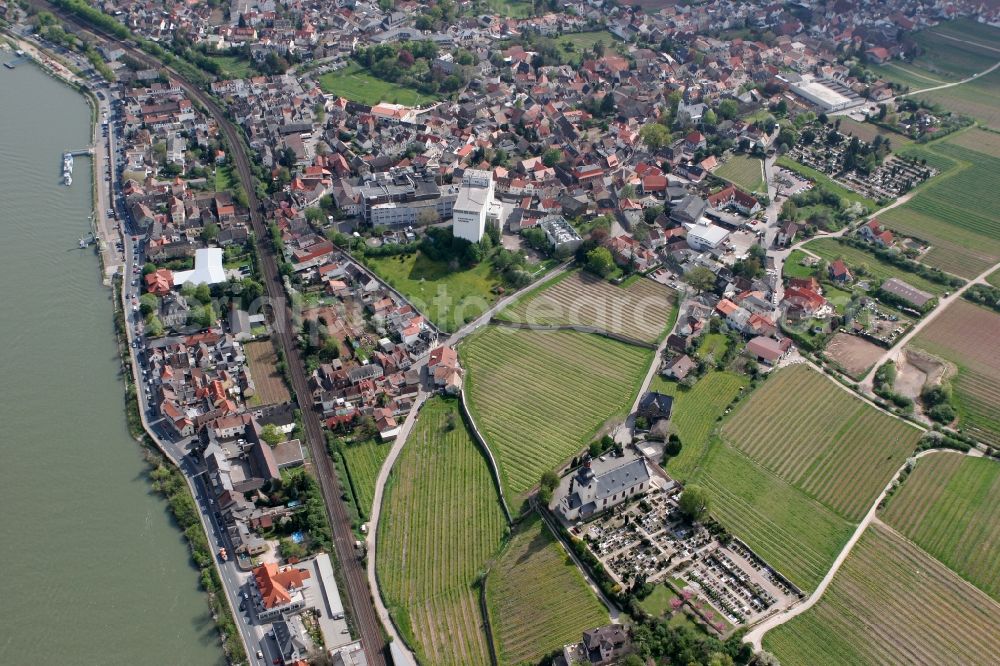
(441, 523)
(868, 131)
(830, 249)
(714, 344)
(827, 182)
(449, 298)
(538, 600)
(696, 412)
(793, 267)
(947, 506)
(511, 8)
(356, 84)
(994, 278)
(747, 173)
(908, 75)
(234, 67)
(583, 40)
(224, 180)
(539, 397)
(364, 460)
(658, 602)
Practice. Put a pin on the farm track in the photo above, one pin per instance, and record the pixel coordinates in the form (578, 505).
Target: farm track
(359, 596)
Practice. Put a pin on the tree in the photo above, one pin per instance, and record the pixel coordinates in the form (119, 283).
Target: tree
(552, 157)
(210, 232)
(270, 434)
(673, 446)
(493, 232)
(595, 449)
(710, 118)
(148, 268)
(154, 327)
(655, 135)
(600, 261)
(148, 304)
(694, 502)
(700, 278)
(728, 108)
(315, 215)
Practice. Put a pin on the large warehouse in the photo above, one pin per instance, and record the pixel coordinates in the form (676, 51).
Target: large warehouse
(825, 94)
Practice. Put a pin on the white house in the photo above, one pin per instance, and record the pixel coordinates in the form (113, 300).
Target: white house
(590, 494)
(473, 205)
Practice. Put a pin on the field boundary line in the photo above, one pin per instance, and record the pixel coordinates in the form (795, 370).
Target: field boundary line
(579, 328)
(494, 468)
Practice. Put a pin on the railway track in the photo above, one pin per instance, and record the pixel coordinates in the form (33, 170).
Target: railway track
(359, 595)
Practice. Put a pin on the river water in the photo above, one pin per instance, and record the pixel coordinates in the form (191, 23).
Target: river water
(93, 570)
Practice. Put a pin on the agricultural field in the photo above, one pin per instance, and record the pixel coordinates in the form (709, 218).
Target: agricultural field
(442, 522)
(356, 84)
(994, 278)
(968, 336)
(822, 439)
(538, 600)
(911, 76)
(449, 298)
(979, 99)
(539, 397)
(271, 388)
(950, 52)
(853, 354)
(830, 249)
(364, 460)
(891, 603)
(868, 131)
(947, 506)
(795, 534)
(695, 414)
(744, 172)
(954, 210)
(644, 310)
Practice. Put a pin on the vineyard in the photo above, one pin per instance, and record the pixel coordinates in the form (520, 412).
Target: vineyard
(968, 336)
(839, 450)
(954, 212)
(796, 535)
(364, 460)
(976, 99)
(891, 603)
(538, 600)
(746, 173)
(643, 310)
(441, 524)
(539, 397)
(696, 411)
(947, 506)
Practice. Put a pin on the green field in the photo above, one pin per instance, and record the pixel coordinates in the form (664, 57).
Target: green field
(891, 603)
(449, 298)
(822, 179)
(830, 249)
(947, 506)
(539, 397)
(712, 344)
(644, 309)
(441, 523)
(224, 180)
(905, 74)
(837, 449)
(793, 267)
(796, 535)
(744, 172)
(364, 460)
(583, 40)
(695, 415)
(954, 211)
(538, 600)
(994, 278)
(355, 84)
(949, 52)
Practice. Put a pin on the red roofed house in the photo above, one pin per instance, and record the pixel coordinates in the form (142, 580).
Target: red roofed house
(443, 367)
(768, 350)
(160, 282)
(874, 232)
(805, 300)
(655, 184)
(839, 271)
(734, 196)
(695, 141)
(278, 591)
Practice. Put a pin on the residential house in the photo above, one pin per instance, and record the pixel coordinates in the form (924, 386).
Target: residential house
(768, 350)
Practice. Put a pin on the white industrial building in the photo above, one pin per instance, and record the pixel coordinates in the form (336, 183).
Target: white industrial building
(824, 95)
(208, 268)
(706, 236)
(472, 207)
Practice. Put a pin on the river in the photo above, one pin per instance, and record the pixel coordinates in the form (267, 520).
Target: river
(94, 571)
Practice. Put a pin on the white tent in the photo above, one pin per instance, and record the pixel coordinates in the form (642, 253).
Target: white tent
(207, 268)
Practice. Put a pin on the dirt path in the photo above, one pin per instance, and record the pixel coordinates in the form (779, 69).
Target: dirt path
(756, 635)
(891, 353)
